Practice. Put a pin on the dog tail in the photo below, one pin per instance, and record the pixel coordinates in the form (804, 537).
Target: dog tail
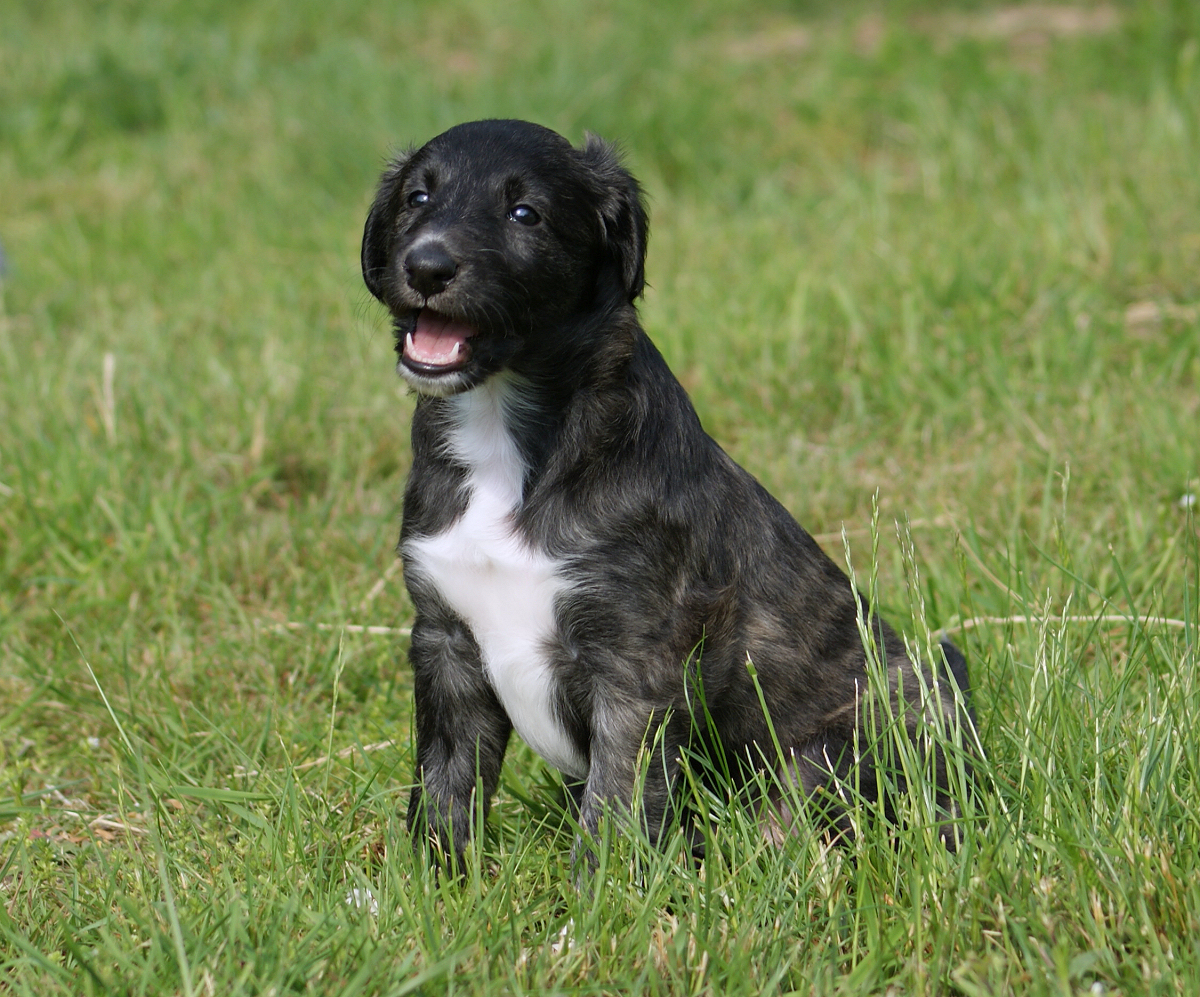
(956, 671)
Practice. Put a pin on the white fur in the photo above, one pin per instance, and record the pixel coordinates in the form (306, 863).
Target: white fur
(502, 588)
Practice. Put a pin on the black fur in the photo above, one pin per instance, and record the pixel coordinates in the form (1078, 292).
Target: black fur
(679, 565)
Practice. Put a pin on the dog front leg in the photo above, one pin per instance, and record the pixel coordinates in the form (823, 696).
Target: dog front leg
(632, 743)
(462, 734)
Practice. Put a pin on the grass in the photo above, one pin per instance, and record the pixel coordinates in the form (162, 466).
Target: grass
(927, 263)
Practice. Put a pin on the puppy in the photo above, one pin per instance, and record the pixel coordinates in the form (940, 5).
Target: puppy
(588, 567)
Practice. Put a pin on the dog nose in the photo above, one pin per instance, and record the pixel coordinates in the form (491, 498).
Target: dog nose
(429, 268)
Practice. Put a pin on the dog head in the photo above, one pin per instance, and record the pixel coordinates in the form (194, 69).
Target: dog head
(491, 241)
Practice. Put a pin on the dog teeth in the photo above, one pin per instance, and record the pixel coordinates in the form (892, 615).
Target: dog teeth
(455, 354)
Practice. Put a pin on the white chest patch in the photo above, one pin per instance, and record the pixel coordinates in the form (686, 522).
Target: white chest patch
(503, 589)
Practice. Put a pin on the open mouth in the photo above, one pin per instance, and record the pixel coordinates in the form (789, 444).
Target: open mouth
(437, 344)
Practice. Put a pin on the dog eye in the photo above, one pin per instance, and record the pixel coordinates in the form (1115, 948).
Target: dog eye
(417, 198)
(524, 214)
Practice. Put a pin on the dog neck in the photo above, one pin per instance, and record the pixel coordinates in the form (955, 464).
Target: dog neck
(502, 425)
(486, 428)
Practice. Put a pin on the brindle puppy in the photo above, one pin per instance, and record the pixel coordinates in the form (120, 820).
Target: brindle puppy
(583, 558)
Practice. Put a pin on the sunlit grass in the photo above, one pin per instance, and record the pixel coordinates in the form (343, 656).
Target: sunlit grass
(937, 260)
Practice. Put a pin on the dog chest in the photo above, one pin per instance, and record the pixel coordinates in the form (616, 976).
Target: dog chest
(504, 590)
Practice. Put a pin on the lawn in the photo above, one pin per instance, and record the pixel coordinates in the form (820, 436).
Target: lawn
(931, 271)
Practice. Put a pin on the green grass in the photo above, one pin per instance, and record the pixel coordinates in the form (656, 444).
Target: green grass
(921, 256)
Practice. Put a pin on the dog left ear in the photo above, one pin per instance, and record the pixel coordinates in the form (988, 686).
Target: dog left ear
(622, 213)
(378, 226)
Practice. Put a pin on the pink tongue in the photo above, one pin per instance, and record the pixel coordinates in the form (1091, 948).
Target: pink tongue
(438, 340)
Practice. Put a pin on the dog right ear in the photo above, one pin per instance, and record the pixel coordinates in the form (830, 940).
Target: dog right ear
(378, 227)
(622, 213)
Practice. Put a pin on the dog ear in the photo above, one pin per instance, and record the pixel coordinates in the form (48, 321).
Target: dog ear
(622, 212)
(379, 223)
